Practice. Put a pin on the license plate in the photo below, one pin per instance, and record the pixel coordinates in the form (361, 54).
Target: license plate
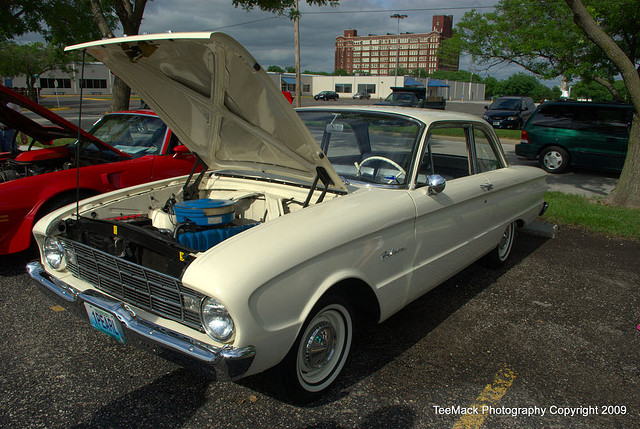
(105, 322)
(496, 123)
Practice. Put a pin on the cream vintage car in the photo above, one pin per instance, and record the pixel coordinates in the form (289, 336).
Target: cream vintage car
(304, 223)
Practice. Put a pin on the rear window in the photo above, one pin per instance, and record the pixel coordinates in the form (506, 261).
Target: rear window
(600, 119)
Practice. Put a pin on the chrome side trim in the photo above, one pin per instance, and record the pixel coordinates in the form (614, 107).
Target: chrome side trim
(225, 363)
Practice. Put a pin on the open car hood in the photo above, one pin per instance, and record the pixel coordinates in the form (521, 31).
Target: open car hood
(218, 100)
(56, 127)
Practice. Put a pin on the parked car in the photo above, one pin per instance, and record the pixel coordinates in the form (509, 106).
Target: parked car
(326, 96)
(580, 134)
(121, 149)
(305, 225)
(362, 95)
(410, 96)
(509, 112)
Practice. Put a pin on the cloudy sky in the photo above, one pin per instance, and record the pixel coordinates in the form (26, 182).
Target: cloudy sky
(270, 38)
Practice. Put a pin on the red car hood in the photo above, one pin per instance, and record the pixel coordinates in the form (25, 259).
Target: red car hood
(58, 127)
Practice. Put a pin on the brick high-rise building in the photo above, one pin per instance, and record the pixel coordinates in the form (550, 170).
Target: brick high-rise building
(377, 54)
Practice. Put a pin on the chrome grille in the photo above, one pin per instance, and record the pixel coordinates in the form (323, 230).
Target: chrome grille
(131, 283)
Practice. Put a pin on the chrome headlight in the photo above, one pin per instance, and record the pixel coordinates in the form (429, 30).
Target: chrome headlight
(54, 253)
(512, 118)
(216, 320)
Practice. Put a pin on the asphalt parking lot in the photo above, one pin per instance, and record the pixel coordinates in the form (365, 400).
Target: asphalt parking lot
(549, 341)
(553, 334)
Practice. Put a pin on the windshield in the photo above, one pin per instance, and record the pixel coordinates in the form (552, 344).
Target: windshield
(402, 97)
(365, 147)
(134, 134)
(506, 104)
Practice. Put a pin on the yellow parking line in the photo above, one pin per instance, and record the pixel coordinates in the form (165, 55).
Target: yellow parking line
(489, 397)
(57, 308)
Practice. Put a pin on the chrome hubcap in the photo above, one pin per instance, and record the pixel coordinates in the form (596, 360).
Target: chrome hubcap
(553, 160)
(504, 247)
(324, 347)
(320, 346)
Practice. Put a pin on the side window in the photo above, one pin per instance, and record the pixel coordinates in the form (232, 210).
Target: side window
(612, 121)
(446, 153)
(486, 157)
(553, 116)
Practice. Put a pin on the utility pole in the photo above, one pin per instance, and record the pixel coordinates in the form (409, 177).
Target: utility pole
(398, 17)
(296, 30)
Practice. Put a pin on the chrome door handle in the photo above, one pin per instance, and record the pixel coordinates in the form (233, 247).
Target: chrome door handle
(487, 186)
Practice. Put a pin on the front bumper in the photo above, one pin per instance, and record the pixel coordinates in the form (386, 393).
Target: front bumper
(223, 363)
(502, 123)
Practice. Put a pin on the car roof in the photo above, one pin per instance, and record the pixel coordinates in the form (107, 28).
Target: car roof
(428, 116)
(588, 103)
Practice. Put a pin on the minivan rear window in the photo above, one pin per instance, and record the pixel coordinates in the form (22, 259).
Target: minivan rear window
(600, 119)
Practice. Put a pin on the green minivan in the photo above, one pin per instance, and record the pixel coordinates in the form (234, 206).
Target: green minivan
(577, 133)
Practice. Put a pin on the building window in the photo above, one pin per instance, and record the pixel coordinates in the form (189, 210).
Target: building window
(54, 83)
(93, 83)
(367, 87)
(343, 87)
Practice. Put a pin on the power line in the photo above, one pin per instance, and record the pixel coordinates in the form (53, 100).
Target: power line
(246, 23)
(423, 9)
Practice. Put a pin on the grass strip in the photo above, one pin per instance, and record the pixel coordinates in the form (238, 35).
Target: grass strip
(592, 214)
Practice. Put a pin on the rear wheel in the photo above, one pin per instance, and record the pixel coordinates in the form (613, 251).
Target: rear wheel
(554, 159)
(502, 251)
(320, 351)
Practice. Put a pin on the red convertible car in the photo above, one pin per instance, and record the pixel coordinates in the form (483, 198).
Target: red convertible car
(121, 149)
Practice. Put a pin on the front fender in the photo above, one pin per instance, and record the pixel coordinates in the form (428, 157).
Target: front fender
(270, 276)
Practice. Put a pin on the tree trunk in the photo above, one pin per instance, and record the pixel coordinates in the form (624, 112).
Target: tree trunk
(130, 17)
(120, 95)
(627, 191)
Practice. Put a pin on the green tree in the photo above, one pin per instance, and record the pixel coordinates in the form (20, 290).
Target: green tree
(419, 73)
(30, 60)
(321, 73)
(590, 90)
(130, 14)
(60, 22)
(275, 69)
(541, 37)
(520, 84)
(493, 87)
(597, 42)
(627, 191)
(340, 72)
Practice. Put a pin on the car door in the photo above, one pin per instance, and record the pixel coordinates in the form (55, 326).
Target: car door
(450, 226)
(502, 188)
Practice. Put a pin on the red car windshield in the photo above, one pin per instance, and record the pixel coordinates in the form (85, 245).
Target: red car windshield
(136, 135)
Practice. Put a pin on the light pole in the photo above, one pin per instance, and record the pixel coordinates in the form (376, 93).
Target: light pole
(296, 30)
(398, 17)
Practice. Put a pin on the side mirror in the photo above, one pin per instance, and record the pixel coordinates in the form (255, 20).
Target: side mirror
(436, 184)
(486, 107)
(180, 150)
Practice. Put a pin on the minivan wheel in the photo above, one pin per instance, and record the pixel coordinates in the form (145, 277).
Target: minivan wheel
(554, 159)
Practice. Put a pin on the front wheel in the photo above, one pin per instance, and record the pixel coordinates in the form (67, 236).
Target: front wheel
(502, 251)
(320, 351)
